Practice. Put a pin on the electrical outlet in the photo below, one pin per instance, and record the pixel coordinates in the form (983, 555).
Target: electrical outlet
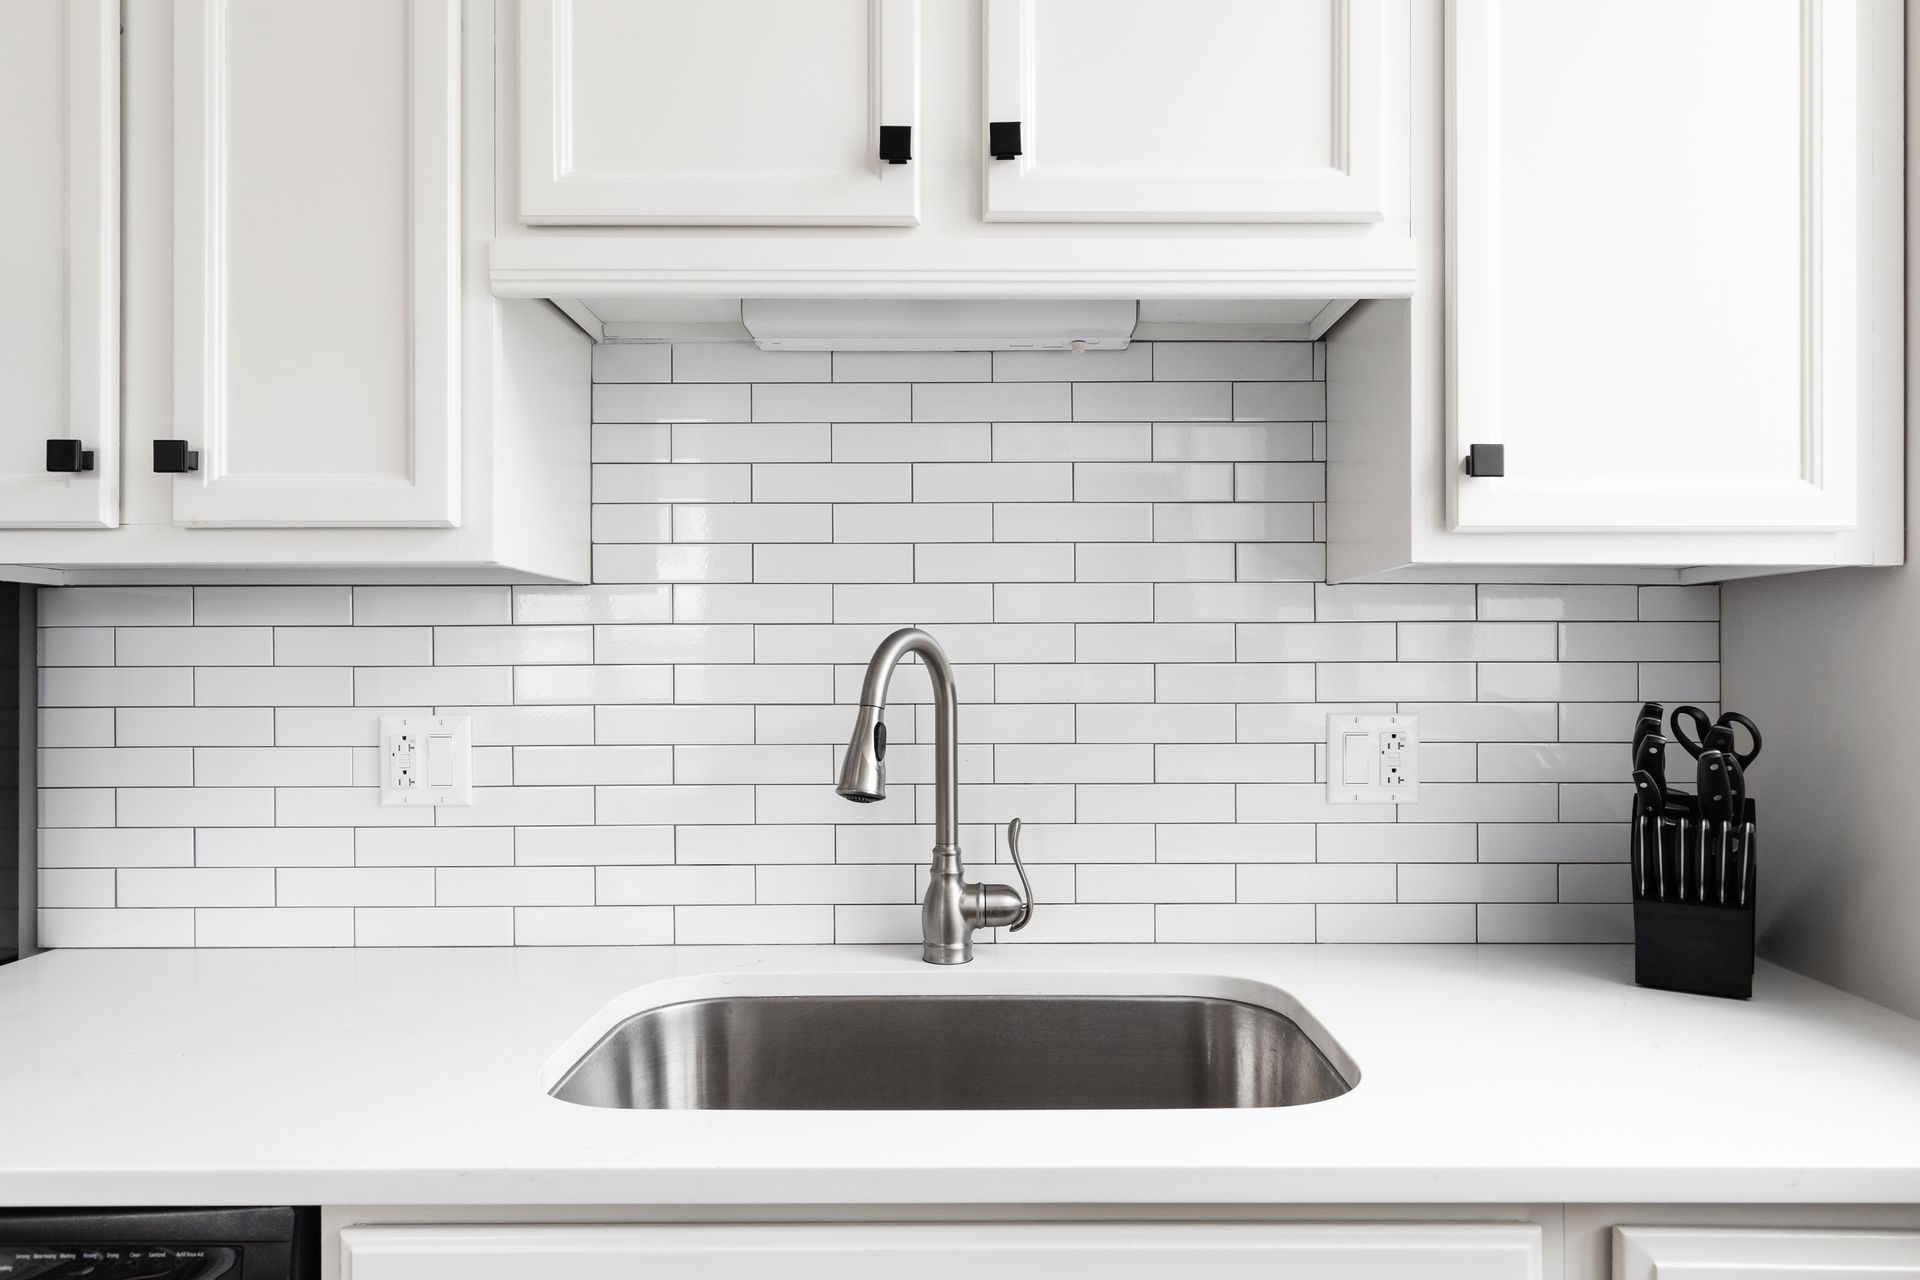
(1373, 759)
(426, 760)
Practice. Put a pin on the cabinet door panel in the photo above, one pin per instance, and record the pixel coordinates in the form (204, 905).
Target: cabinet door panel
(59, 260)
(317, 360)
(722, 111)
(1113, 1251)
(1186, 110)
(1688, 1253)
(1654, 263)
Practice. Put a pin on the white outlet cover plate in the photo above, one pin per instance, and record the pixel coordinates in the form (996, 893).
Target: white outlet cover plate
(1366, 740)
(426, 760)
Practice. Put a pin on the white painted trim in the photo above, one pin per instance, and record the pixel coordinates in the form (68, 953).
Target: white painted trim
(215, 497)
(1707, 1253)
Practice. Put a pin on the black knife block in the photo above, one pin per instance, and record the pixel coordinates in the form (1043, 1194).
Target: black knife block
(1702, 948)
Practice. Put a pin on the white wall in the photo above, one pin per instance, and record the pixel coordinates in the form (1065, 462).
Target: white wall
(1829, 663)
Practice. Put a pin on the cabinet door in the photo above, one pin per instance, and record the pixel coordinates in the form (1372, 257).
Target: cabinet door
(59, 260)
(1686, 1253)
(717, 111)
(1185, 110)
(316, 237)
(951, 1251)
(1656, 265)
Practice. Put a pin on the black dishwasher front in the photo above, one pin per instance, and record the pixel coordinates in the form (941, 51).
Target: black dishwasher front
(159, 1244)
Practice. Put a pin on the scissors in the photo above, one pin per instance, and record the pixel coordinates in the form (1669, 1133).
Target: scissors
(1714, 735)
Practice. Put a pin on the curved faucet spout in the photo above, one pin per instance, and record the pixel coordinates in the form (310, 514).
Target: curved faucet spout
(863, 775)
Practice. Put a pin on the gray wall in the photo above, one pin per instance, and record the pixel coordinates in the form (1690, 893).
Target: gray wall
(1826, 663)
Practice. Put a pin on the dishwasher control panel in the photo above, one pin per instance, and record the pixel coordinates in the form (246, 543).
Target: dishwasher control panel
(115, 1262)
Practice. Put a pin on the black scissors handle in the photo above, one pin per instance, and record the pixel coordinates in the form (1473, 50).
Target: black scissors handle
(1714, 735)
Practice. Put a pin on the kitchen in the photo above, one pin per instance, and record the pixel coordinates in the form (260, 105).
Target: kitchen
(472, 505)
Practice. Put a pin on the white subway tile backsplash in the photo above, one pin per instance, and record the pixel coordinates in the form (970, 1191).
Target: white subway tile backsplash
(1123, 553)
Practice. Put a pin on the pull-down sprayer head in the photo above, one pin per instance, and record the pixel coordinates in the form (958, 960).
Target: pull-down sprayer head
(863, 775)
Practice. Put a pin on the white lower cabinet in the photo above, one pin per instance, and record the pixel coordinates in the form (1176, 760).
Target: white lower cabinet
(1706, 1253)
(949, 1251)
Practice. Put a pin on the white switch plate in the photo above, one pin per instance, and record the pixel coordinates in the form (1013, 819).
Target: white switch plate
(1373, 759)
(426, 760)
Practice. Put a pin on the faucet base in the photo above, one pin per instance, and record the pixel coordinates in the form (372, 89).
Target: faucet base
(935, 953)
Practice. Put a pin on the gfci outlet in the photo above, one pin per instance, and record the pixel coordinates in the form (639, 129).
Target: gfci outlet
(426, 760)
(1373, 759)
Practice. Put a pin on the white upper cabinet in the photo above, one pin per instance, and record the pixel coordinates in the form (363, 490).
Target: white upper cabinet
(316, 238)
(1661, 259)
(1187, 111)
(719, 112)
(60, 263)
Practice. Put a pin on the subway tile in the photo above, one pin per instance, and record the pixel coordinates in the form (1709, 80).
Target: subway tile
(1072, 521)
(194, 887)
(749, 442)
(1297, 721)
(1639, 641)
(1395, 842)
(891, 923)
(77, 807)
(632, 362)
(1088, 922)
(1233, 922)
(352, 646)
(661, 402)
(80, 887)
(116, 606)
(1154, 642)
(113, 928)
(116, 686)
(741, 764)
(115, 767)
(91, 726)
(1552, 761)
(1599, 721)
(273, 686)
(631, 522)
(667, 564)
(745, 362)
(1233, 762)
(116, 847)
(766, 682)
(81, 646)
(1303, 802)
(1008, 642)
(592, 926)
(986, 722)
(273, 847)
(1072, 441)
(273, 927)
(194, 807)
(523, 806)
(1395, 681)
(1154, 562)
(834, 482)
(1483, 721)
(834, 563)
(765, 522)
(990, 482)
(592, 684)
(681, 482)
(1596, 882)
(1231, 601)
(992, 402)
(1242, 521)
(395, 686)
(1155, 802)
(433, 926)
(515, 886)
(1233, 361)
(1238, 442)
(1233, 682)
(1515, 602)
(912, 366)
(527, 726)
(193, 646)
(676, 805)
(337, 807)
(1680, 604)
(1159, 722)
(760, 925)
(1558, 681)
(1316, 642)
(755, 845)
(672, 642)
(803, 643)
(911, 522)
(919, 603)
(1280, 562)
(272, 766)
(1279, 481)
(854, 883)
(757, 602)
(1477, 882)
(588, 766)
(1556, 922)
(1394, 922)
(1318, 882)
(1073, 762)
(834, 402)
(1595, 801)
(1484, 802)
(1071, 601)
(431, 606)
(912, 442)
(1279, 401)
(603, 845)
(1151, 402)
(993, 562)
(1393, 602)
(632, 442)
(1154, 882)
(1240, 842)
(1152, 481)
(1132, 363)
(506, 646)
(1075, 682)
(1483, 641)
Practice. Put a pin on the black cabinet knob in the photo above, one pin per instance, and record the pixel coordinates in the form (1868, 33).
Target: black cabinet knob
(67, 455)
(1003, 139)
(896, 143)
(174, 456)
(1486, 460)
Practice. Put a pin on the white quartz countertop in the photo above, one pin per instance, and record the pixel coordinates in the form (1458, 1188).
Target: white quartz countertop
(1488, 1074)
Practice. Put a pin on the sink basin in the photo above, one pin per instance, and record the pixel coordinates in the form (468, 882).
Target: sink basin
(953, 1052)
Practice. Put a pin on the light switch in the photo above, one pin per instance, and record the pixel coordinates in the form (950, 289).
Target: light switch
(1373, 759)
(426, 760)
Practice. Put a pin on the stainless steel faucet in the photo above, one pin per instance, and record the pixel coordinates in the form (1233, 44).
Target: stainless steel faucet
(952, 909)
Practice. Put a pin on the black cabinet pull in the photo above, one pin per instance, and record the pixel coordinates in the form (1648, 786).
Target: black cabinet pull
(67, 455)
(896, 143)
(1486, 460)
(174, 456)
(1003, 139)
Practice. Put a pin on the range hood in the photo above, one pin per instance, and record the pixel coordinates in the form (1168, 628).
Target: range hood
(926, 324)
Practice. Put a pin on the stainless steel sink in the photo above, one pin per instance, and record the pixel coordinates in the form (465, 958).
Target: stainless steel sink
(953, 1052)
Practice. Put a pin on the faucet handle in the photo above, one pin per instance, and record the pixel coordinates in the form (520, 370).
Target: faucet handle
(1026, 889)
